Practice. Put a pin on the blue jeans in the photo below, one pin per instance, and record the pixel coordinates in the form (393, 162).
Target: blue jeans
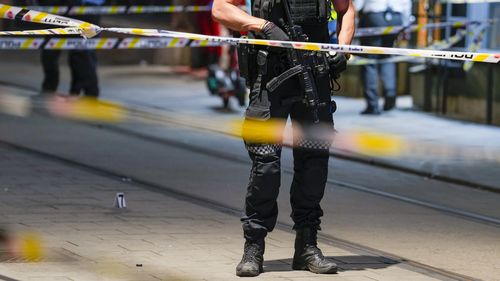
(372, 73)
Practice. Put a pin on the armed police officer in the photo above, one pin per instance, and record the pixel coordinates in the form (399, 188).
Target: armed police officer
(283, 83)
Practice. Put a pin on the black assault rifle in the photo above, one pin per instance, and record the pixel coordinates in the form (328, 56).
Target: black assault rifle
(301, 63)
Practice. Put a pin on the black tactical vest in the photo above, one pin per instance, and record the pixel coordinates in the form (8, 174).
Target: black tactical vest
(312, 15)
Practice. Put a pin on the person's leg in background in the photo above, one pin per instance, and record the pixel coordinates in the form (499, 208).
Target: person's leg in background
(83, 64)
(370, 72)
(91, 87)
(388, 76)
(76, 84)
(369, 76)
(388, 70)
(50, 64)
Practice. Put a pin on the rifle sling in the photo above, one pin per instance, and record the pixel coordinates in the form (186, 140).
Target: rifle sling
(274, 83)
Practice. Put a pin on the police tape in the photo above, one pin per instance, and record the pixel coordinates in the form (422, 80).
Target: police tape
(311, 46)
(360, 32)
(90, 30)
(389, 30)
(175, 39)
(52, 31)
(16, 13)
(99, 43)
(120, 9)
(115, 10)
(161, 43)
(476, 43)
(21, 43)
(439, 45)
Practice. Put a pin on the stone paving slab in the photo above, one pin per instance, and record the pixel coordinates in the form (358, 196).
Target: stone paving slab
(86, 239)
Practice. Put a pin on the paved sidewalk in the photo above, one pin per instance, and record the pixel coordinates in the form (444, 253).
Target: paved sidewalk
(86, 239)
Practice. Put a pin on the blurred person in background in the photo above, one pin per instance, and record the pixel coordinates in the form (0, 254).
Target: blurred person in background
(377, 13)
(82, 63)
(205, 56)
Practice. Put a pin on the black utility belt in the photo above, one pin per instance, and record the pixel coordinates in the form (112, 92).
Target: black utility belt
(253, 61)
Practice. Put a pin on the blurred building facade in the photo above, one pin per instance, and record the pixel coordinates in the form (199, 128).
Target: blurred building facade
(444, 87)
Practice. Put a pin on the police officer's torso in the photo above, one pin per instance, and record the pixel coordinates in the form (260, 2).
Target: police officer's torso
(311, 15)
(314, 23)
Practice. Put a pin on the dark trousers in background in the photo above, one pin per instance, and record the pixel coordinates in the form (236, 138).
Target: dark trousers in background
(82, 63)
(372, 73)
(83, 67)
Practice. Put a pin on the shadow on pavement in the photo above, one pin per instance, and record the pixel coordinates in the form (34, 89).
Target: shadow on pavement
(345, 263)
(5, 278)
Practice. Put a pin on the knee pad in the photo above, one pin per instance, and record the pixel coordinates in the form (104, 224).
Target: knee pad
(316, 145)
(264, 149)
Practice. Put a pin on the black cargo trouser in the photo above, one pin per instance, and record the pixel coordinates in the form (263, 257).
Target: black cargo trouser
(310, 159)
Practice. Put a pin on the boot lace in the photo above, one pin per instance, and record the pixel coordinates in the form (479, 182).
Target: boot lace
(315, 251)
(251, 252)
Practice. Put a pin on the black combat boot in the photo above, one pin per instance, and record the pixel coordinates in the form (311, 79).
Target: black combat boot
(308, 256)
(252, 260)
(390, 103)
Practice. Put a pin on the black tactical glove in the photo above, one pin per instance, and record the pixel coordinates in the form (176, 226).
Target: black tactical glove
(270, 31)
(338, 64)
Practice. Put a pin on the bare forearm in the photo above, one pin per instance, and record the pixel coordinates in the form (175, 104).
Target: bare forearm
(346, 24)
(231, 16)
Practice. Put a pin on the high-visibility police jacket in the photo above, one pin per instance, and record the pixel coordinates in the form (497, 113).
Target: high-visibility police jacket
(333, 14)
